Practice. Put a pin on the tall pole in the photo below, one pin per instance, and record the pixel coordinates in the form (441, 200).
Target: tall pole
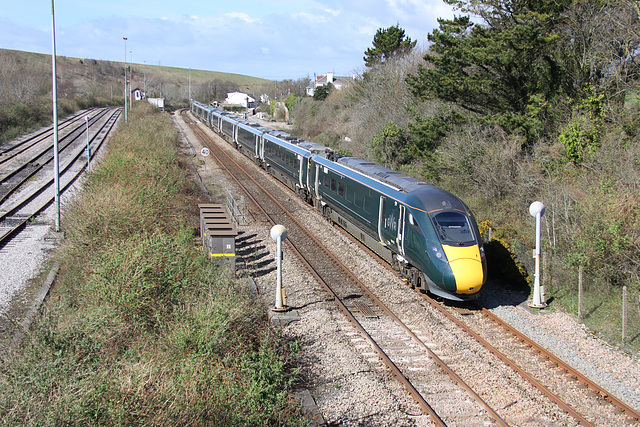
(125, 79)
(86, 118)
(56, 161)
(131, 82)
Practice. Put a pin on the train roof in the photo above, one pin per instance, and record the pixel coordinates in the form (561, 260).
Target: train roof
(253, 127)
(431, 198)
(294, 145)
(398, 180)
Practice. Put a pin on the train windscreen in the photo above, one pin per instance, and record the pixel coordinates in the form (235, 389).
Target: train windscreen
(453, 228)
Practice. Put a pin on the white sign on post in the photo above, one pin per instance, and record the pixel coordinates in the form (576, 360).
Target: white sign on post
(204, 152)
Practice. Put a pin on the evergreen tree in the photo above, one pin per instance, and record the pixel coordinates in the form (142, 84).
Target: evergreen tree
(322, 92)
(387, 43)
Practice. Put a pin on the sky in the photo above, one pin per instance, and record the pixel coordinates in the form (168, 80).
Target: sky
(272, 39)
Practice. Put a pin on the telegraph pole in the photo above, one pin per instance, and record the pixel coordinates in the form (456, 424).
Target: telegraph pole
(56, 161)
(125, 79)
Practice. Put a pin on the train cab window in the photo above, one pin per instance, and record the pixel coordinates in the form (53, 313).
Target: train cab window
(412, 220)
(340, 189)
(333, 185)
(453, 228)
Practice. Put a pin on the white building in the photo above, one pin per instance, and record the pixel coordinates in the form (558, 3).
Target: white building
(158, 102)
(239, 98)
(337, 81)
(138, 94)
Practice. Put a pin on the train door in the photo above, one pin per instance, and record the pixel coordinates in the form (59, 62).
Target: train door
(256, 144)
(300, 171)
(382, 219)
(400, 237)
(316, 184)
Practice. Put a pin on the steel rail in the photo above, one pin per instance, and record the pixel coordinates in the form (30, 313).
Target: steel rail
(537, 384)
(48, 157)
(7, 149)
(630, 412)
(24, 220)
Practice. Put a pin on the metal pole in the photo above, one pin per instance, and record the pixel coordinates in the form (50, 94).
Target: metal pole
(125, 79)
(56, 161)
(86, 118)
(130, 82)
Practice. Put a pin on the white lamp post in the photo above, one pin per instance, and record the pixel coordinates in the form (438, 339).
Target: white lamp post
(56, 160)
(537, 210)
(279, 233)
(125, 79)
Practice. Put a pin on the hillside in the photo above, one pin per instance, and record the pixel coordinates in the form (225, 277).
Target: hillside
(25, 86)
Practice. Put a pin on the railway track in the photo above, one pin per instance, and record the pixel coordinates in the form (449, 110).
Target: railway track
(408, 351)
(407, 357)
(26, 179)
(592, 405)
(11, 149)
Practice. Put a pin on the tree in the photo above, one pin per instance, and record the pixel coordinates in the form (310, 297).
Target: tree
(509, 69)
(322, 92)
(387, 43)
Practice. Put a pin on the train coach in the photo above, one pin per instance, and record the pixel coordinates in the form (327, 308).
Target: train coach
(427, 234)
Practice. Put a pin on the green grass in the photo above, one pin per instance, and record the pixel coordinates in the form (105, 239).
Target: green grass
(141, 328)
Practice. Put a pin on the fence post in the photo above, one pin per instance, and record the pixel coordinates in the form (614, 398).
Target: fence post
(580, 293)
(624, 313)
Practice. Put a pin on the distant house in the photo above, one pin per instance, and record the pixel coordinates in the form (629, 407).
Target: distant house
(337, 81)
(138, 94)
(158, 102)
(239, 98)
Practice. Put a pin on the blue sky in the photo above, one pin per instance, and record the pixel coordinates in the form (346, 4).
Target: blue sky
(273, 39)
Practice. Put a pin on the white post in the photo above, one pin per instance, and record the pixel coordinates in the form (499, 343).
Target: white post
(537, 210)
(125, 79)
(131, 83)
(279, 233)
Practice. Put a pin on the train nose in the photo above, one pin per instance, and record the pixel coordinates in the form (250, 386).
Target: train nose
(466, 266)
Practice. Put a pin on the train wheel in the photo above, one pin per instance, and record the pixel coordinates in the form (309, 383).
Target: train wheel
(417, 280)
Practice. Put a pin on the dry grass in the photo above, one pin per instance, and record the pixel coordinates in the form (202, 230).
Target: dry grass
(140, 328)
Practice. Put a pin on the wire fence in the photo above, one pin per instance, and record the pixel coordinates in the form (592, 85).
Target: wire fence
(611, 311)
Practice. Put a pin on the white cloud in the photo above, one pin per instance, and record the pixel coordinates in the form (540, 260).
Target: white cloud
(241, 16)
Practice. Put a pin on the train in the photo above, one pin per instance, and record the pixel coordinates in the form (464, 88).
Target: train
(427, 234)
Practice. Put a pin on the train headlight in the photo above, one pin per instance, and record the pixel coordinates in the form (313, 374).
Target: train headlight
(437, 253)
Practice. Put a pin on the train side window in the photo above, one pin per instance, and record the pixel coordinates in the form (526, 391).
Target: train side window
(325, 181)
(412, 220)
(340, 189)
(333, 185)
